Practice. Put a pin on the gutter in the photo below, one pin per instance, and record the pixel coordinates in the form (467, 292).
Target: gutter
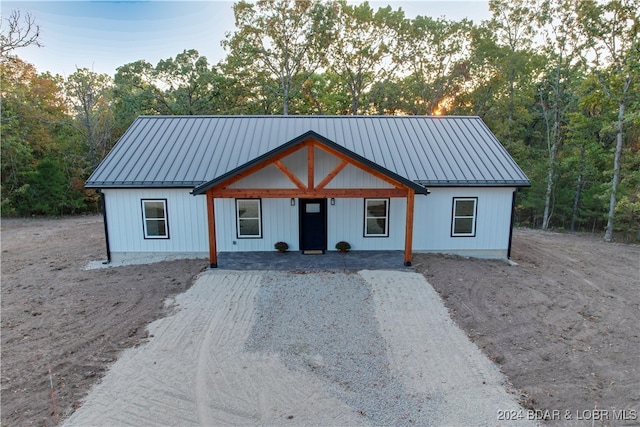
(513, 214)
(103, 204)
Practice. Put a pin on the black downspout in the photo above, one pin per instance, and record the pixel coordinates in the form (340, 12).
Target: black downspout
(103, 204)
(513, 212)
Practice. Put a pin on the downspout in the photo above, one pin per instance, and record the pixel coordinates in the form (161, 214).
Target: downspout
(513, 212)
(103, 204)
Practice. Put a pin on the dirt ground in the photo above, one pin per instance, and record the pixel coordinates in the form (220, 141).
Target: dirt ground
(57, 316)
(563, 325)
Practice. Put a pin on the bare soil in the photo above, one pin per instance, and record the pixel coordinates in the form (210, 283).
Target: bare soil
(562, 325)
(57, 316)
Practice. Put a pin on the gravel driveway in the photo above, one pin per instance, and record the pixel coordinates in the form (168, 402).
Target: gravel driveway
(287, 348)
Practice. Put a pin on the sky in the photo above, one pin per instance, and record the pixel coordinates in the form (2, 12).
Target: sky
(104, 35)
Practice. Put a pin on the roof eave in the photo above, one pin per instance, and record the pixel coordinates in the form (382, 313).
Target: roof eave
(479, 183)
(140, 184)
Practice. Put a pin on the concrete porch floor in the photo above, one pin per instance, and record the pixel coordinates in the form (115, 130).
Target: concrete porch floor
(330, 260)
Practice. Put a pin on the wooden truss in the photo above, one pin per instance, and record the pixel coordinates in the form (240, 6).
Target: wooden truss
(310, 190)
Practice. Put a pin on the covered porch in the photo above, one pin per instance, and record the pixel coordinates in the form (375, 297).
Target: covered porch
(310, 167)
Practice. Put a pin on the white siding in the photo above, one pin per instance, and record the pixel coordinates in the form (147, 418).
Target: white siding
(324, 163)
(269, 177)
(296, 162)
(279, 223)
(187, 222)
(350, 177)
(433, 215)
(187, 219)
(346, 222)
(353, 177)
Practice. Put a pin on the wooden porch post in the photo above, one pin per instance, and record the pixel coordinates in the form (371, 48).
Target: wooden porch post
(211, 219)
(408, 236)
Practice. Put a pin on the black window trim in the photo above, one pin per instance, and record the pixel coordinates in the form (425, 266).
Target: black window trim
(261, 233)
(145, 235)
(475, 216)
(364, 229)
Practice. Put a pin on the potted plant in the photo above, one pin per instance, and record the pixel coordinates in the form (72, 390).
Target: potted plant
(281, 246)
(343, 246)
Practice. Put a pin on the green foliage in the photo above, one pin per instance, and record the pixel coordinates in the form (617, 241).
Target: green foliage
(278, 44)
(546, 76)
(47, 192)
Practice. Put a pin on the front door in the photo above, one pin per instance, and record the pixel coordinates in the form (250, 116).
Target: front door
(313, 224)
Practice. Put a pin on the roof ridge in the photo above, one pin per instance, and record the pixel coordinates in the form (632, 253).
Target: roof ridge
(291, 116)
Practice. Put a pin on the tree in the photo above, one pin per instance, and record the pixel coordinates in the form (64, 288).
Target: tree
(514, 24)
(191, 85)
(502, 71)
(184, 85)
(32, 105)
(611, 29)
(322, 94)
(278, 44)
(557, 18)
(16, 33)
(436, 60)
(89, 95)
(364, 47)
(48, 191)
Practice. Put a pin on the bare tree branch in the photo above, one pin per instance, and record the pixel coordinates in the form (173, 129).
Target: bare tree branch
(16, 33)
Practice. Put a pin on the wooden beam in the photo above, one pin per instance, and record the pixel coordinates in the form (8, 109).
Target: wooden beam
(360, 165)
(408, 233)
(211, 219)
(310, 165)
(285, 170)
(253, 169)
(311, 144)
(273, 193)
(327, 179)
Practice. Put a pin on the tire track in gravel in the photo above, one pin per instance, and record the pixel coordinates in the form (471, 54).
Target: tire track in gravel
(194, 371)
(434, 357)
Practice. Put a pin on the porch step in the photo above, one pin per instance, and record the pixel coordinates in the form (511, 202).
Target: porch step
(313, 252)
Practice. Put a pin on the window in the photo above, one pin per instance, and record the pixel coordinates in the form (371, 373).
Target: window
(249, 223)
(376, 217)
(464, 217)
(312, 207)
(154, 219)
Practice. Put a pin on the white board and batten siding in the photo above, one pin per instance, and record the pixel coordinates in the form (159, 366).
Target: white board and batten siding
(433, 217)
(187, 224)
(279, 223)
(188, 238)
(280, 220)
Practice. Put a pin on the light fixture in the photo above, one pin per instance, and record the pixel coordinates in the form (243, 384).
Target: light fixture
(293, 202)
(333, 201)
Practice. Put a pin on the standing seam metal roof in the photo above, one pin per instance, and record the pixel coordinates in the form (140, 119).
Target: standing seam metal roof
(189, 151)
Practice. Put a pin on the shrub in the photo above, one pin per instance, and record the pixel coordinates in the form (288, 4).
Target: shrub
(281, 246)
(343, 246)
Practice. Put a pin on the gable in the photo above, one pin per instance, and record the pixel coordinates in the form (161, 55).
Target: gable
(253, 178)
(349, 176)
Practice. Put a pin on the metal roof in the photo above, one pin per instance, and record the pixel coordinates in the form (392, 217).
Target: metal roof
(192, 151)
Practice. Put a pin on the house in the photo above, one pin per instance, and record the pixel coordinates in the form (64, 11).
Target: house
(191, 186)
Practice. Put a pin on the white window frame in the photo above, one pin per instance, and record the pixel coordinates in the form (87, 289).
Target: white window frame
(473, 217)
(259, 218)
(164, 218)
(367, 217)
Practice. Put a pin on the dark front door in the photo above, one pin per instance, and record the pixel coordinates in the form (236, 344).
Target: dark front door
(313, 224)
